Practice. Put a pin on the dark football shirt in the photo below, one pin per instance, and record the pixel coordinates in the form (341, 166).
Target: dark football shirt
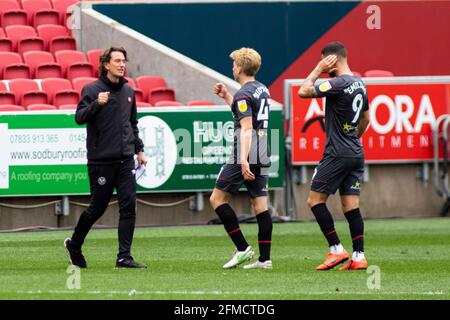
(252, 100)
(346, 100)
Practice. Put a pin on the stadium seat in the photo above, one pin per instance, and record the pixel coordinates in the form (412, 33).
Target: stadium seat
(40, 106)
(24, 39)
(20, 86)
(148, 83)
(40, 12)
(59, 91)
(74, 64)
(6, 45)
(8, 58)
(165, 103)
(12, 14)
(63, 7)
(79, 83)
(79, 69)
(378, 73)
(33, 97)
(10, 108)
(7, 97)
(49, 32)
(161, 94)
(140, 104)
(68, 107)
(66, 97)
(42, 65)
(93, 58)
(200, 103)
(16, 71)
(62, 43)
(356, 73)
(137, 92)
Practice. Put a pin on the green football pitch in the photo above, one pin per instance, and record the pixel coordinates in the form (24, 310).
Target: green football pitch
(409, 259)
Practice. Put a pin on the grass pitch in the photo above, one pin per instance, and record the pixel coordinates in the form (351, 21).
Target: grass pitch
(413, 257)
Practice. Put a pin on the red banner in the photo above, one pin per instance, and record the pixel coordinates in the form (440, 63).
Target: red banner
(400, 129)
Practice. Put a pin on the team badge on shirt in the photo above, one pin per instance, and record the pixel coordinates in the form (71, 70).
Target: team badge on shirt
(129, 99)
(324, 87)
(242, 106)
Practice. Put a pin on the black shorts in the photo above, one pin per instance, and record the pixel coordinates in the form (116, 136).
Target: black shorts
(334, 173)
(230, 179)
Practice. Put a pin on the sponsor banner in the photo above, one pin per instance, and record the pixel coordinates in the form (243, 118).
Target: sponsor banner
(400, 129)
(45, 154)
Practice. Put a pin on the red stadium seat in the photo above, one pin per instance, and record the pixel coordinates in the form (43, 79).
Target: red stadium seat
(8, 58)
(74, 64)
(53, 85)
(137, 92)
(66, 97)
(62, 87)
(33, 97)
(63, 7)
(40, 106)
(6, 45)
(12, 14)
(42, 65)
(161, 94)
(140, 104)
(68, 107)
(7, 97)
(24, 38)
(20, 86)
(164, 103)
(66, 57)
(200, 103)
(79, 83)
(378, 73)
(62, 43)
(49, 32)
(94, 58)
(16, 71)
(78, 69)
(147, 83)
(40, 12)
(11, 108)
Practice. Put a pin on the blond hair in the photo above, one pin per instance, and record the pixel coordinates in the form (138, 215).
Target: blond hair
(247, 59)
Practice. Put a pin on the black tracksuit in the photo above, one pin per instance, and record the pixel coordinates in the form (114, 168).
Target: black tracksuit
(112, 141)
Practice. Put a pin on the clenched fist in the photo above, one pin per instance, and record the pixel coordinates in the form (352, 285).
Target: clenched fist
(103, 98)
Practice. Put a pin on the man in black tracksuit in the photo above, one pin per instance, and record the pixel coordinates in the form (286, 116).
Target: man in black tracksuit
(108, 108)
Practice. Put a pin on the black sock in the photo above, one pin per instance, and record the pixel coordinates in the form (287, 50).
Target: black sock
(231, 224)
(356, 224)
(264, 235)
(326, 223)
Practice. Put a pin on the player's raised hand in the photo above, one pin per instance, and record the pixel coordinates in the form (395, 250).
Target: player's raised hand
(221, 90)
(103, 98)
(327, 64)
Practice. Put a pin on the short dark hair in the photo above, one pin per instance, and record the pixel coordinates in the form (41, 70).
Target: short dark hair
(106, 57)
(336, 48)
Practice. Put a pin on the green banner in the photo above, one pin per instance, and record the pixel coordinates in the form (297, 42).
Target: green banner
(44, 153)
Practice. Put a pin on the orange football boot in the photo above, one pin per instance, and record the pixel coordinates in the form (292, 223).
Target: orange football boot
(355, 265)
(333, 259)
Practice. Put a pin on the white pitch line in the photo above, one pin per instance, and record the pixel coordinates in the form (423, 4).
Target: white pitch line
(123, 292)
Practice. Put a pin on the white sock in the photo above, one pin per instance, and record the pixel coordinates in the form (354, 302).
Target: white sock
(337, 248)
(358, 256)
